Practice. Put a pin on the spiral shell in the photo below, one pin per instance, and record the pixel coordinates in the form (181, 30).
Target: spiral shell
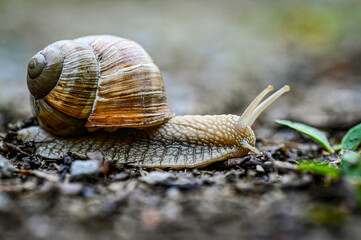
(96, 82)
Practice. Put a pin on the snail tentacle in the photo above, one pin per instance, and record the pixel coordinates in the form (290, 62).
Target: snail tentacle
(260, 108)
(244, 121)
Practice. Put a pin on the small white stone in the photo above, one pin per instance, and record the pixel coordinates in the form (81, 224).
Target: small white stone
(259, 168)
(6, 165)
(85, 169)
(157, 177)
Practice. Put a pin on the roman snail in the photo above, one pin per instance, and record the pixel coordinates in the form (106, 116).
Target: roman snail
(105, 82)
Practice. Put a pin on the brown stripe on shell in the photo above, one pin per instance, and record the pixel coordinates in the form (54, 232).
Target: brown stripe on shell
(55, 121)
(116, 53)
(79, 77)
(100, 43)
(130, 90)
(122, 57)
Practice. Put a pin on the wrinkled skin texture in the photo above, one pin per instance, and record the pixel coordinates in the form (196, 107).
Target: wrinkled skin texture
(183, 141)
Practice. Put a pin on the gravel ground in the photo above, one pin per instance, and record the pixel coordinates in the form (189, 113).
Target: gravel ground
(215, 56)
(258, 196)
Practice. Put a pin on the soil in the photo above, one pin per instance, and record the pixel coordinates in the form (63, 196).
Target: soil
(215, 57)
(257, 196)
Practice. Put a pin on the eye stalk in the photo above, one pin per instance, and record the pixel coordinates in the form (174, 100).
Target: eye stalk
(257, 107)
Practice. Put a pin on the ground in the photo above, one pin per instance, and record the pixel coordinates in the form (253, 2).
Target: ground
(257, 196)
(215, 57)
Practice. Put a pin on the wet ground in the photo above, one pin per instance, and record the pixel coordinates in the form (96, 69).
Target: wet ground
(258, 196)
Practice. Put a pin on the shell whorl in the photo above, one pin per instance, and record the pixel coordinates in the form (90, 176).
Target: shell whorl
(96, 82)
(44, 70)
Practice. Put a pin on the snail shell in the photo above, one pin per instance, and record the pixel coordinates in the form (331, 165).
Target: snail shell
(96, 82)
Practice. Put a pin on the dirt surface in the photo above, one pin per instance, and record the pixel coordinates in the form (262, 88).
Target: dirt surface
(215, 57)
(258, 196)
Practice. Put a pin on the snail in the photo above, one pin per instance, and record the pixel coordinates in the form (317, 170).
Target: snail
(104, 93)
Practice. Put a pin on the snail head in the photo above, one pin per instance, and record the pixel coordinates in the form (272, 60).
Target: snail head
(252, 112)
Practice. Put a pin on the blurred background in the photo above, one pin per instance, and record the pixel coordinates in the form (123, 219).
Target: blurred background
(215, 56)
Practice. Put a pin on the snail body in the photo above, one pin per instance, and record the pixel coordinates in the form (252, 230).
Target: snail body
(183, 141)
(119, 89)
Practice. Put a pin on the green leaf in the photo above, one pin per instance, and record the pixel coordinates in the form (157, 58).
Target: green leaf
(313, 133)
(319, 169)
(352, 139)
(351, 164)
(351, 157)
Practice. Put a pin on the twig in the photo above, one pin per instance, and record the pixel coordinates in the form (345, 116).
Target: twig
(17, 148)
(39, 174)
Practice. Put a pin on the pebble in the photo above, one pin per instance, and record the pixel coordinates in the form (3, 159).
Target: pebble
(157, 177)
(259, 168)
(121, 176)
(85, 170)
(251, 173)
(173, 193)
(6, 167)
(244, 187)
(285, 165)
(71, 188)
